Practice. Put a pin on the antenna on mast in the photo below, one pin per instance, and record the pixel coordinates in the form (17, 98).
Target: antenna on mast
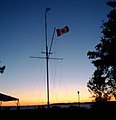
(47, 57)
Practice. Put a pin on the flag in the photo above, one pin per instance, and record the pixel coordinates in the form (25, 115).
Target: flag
(62, 31)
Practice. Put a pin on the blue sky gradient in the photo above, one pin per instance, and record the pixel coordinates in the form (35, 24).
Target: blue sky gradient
(22, 34)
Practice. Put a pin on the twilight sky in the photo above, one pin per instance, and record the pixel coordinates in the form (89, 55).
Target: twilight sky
(22, 34)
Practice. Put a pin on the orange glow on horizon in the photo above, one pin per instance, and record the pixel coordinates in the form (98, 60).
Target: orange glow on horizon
(58, 94)
(35, 101)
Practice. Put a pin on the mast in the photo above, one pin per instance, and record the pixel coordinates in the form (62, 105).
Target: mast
(47, 56)
(47, 59)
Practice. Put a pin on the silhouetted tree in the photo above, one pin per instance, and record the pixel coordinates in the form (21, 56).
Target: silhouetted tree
(103, 82)
(2, 68)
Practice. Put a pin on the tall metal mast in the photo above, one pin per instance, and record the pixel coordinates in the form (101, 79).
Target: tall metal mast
(47, 57)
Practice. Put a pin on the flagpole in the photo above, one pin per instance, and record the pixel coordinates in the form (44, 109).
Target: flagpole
(52, 41)
(47, 59)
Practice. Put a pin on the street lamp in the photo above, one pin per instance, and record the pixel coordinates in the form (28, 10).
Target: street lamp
(78, 97)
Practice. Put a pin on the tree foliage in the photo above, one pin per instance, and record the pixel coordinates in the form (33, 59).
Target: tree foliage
(2, 69)
(103, 82)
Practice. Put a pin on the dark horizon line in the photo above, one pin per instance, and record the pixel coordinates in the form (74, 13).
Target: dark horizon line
(61, 103)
